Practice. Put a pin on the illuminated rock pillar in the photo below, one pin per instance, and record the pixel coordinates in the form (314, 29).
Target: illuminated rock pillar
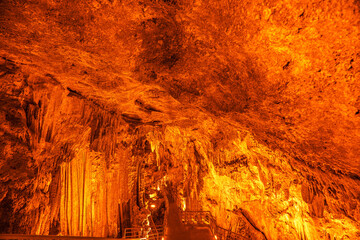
(90, 193)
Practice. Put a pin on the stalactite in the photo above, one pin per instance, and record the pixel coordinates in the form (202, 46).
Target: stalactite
(69, 200)
(83, 217)
(87, 184)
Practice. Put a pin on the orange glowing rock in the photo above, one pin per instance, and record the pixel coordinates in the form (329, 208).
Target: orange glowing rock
(247, 109)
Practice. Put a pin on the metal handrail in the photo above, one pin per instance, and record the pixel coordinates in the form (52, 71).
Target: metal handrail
(130, 233)
(196, 217)
(205, 218)
(156, 233)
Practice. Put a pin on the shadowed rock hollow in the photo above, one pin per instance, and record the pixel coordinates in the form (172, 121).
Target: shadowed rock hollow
(250, 109)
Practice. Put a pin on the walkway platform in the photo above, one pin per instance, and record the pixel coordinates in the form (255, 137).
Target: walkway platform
(178, 231)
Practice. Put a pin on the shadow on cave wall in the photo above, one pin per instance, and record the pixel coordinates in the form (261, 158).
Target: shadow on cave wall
(194, 69)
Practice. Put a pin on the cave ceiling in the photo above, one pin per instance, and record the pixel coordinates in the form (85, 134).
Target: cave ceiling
(290, 76)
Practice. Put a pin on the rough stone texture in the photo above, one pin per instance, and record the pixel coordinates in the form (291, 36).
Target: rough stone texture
(250, 108)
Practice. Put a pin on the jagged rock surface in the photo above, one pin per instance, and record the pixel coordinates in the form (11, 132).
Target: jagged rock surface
(250, 108)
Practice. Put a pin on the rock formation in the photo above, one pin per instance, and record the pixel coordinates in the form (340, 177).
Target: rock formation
(249, 109)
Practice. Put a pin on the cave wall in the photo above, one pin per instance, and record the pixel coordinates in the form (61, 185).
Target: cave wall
(85, 159)
(255, 103)
(254, 190)
(65, 161)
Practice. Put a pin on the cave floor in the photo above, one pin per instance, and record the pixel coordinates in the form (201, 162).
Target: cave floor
(178, 231)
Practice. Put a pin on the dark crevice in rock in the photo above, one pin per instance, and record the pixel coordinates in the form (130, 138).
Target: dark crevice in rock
(132, 118)
(74, 93)
(146, 107)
